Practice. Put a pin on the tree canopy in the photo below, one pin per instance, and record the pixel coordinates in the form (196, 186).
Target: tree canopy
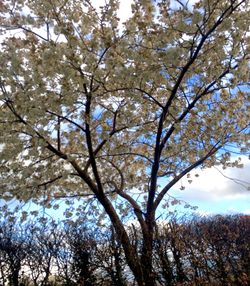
(95, 109)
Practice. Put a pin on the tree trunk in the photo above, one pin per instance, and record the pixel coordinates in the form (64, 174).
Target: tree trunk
(147, 267)
(14, 276)
(147, 254)
(118, 277)
(129, 251)
(83, 264)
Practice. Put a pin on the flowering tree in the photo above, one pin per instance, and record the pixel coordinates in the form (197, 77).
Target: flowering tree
(92, 109)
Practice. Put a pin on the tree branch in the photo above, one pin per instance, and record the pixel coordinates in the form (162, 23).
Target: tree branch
(161, 195)
(133, 203)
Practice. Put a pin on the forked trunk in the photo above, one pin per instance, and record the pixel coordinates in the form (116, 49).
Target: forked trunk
(131, 255)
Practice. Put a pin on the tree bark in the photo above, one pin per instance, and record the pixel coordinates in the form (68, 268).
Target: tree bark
(14, 276)
(130, 252)
(147, 253)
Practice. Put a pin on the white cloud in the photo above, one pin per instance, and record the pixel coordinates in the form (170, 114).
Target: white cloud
(124, 11)
(202, 213)
(246, 211)
(215, 184)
